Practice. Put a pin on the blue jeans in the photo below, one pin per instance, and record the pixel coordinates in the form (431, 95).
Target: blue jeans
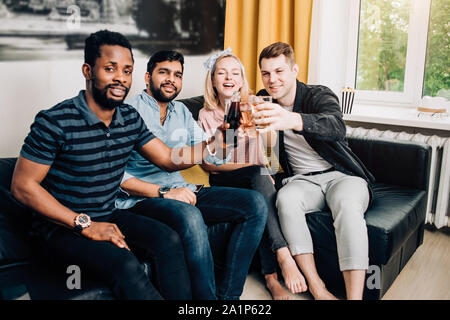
(245, 210)
(252, 177)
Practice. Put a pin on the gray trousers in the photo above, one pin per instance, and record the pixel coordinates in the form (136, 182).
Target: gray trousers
(346, 196)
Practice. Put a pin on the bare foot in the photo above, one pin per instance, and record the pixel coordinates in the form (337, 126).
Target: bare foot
(320, 292)
(293, 278)
(276, 289)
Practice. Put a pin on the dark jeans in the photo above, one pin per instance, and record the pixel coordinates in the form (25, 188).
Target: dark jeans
(245, 209)
(151, 241)
(253, 178)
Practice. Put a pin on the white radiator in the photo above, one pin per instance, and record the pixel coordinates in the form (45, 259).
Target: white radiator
(439, 185)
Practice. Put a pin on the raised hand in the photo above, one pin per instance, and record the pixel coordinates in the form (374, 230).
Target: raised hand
(271, 116)
(217, 144)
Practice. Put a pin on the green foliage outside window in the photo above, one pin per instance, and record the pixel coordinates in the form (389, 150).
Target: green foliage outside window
(383, 39)
(382, 46)
(437, 69)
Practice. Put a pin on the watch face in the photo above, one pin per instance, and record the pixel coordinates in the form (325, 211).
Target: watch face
(83, 220)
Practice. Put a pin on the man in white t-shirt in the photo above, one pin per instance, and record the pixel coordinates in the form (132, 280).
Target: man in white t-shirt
(322, 171)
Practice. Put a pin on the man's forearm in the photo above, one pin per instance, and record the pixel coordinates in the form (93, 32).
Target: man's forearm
(140, 188)
(175, 159)
(33, 195)
(186, 157)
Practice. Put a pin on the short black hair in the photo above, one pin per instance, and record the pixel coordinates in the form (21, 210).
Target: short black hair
(100, 38)
(164, 55)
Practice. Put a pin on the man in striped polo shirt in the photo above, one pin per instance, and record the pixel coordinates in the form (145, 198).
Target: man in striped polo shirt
(69, 171)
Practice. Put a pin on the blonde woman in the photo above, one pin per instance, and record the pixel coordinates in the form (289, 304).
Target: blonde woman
(225, 76)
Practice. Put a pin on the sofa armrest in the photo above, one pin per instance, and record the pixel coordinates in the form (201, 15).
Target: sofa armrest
(394, 162)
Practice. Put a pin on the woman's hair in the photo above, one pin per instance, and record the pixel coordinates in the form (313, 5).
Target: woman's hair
(211, 97)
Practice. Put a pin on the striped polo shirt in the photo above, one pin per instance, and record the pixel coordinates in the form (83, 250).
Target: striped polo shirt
(87, 159)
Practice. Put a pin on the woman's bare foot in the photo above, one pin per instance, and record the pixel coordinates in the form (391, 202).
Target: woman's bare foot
(293, 278)
(276, 289)
(320, 292)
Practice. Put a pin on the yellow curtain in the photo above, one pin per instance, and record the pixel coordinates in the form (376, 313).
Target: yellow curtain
(251, 25)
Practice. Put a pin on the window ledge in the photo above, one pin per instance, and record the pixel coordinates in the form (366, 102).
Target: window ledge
(398, 116)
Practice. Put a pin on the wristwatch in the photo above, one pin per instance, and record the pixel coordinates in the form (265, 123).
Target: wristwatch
(162, 191)
(82, 221)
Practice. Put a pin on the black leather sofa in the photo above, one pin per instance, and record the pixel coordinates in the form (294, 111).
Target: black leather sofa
(395, 220)
(395, 224)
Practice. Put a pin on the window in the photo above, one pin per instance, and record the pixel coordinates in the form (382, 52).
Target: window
(437, 63)
(399, 51)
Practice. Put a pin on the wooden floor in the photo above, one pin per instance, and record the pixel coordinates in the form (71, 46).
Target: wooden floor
(426, 275)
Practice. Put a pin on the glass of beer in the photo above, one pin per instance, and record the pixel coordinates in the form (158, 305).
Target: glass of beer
(256, 100)
(247, 118)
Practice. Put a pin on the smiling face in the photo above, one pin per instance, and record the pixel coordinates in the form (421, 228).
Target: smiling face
(110, 79)
(279, 79)
(166, 81)
(227, 77)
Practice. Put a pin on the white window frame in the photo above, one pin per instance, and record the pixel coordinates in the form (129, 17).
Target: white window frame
(415, 58)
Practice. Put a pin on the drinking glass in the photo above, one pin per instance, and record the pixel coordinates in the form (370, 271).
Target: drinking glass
(256, 100)
(232, 117)
(247, 118)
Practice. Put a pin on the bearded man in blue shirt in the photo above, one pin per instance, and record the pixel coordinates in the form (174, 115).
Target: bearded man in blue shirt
(167, 197)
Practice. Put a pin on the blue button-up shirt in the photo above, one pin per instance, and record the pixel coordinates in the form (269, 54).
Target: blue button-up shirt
(179, 129)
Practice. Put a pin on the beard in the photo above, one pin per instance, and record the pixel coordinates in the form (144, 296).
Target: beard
(101, 95)
(158, 94)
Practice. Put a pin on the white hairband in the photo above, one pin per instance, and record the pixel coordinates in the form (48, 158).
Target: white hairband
(211, 62)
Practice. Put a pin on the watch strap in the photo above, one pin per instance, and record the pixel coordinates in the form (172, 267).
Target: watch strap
(162, 191)
(77, 230)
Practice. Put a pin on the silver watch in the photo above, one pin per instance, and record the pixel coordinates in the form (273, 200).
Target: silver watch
(162, 191)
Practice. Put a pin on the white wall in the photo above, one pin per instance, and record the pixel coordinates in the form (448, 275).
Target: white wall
(329, 43)
(28, 87)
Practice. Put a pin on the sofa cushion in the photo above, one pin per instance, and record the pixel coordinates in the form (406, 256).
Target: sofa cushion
(194, 105)
(47, 282)
(395, 213)
(196, 175)
(15, 219)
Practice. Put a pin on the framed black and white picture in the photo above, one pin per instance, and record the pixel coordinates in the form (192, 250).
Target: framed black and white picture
(56, 29)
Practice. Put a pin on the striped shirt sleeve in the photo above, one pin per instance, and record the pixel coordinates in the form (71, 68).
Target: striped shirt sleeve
(43, 141)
